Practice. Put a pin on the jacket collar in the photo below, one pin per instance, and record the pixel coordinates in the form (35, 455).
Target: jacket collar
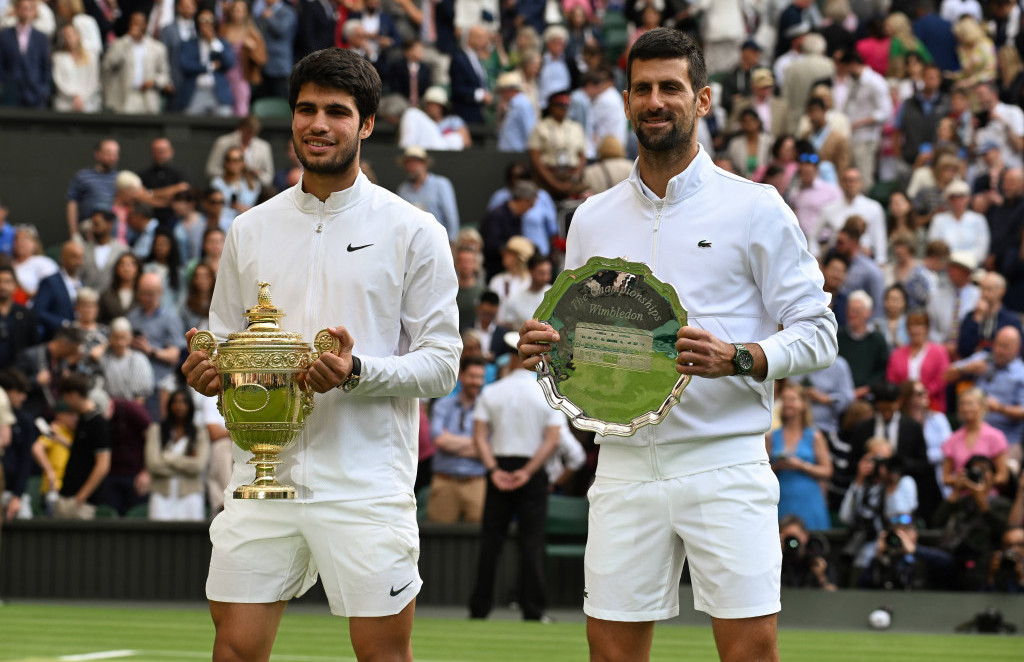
(683, 185)
(338, 201)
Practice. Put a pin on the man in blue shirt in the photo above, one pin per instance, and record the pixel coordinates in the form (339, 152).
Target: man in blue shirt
(160, 335)
(431, 193)
(459, 481)
(93, 188)
(999, 373)
(520, 115)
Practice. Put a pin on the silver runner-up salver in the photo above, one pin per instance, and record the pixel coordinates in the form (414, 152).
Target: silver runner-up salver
(613, 369)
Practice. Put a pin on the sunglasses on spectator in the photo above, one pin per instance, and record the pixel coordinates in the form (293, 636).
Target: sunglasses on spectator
(809, 158)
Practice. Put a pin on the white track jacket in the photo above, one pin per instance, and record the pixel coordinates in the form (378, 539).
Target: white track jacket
(738, 260)
(371, 262)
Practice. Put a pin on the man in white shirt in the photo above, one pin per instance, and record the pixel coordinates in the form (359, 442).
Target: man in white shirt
(515, 434)
(607, 118)
(855, 203)
(952, 300)
(961, 228)
(868, 106)
(1000, 123)
(521, 305)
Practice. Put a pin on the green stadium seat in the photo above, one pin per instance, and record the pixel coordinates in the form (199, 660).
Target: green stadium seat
(422, 497)
(271, 107)
(615, 32)
(566, 527)
(104, 511)
(32, 488)
(138, 511)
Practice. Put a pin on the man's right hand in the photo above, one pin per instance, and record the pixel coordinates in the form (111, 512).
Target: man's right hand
(199, 371)
(535, 340)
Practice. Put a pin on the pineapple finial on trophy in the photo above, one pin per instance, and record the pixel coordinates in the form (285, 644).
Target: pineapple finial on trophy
(263, 298)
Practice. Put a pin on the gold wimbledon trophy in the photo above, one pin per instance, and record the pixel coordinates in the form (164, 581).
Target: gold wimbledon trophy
(263, 396)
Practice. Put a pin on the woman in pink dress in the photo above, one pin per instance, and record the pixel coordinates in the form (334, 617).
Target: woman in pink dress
(922, 360)
(974, 437)
(239, 30)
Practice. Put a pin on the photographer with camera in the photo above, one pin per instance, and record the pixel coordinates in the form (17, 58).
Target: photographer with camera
(895, 554)
(973, 521)
(1006, 569)
(879, 492)
(804, 556)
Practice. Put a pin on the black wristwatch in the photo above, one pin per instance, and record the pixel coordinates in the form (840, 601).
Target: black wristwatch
(744, 360)
(352, 381)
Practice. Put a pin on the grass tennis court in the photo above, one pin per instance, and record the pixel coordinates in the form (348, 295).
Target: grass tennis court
(43, 633)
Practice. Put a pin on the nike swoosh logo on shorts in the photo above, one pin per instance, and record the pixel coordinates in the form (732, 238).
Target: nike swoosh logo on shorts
(352, 249)
(394, 592)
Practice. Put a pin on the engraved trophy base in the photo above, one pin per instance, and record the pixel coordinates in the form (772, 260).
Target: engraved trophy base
(265, 486)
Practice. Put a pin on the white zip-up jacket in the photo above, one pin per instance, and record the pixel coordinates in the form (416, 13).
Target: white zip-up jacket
(738, 260)
(371, 262)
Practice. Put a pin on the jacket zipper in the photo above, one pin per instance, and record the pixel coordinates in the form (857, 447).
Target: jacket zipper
(318, 234)
(659, 207)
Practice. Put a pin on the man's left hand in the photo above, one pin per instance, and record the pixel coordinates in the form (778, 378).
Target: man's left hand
(331, 369)
(702, 354)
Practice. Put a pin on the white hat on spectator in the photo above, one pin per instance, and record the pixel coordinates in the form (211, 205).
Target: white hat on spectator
(964, 259)
(435, 94)
(762, 77)
(510, 80)
(957, 187)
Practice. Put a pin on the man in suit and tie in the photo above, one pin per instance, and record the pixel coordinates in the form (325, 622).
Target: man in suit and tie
(471, 90)
(54, 303)
(24, 61)
(172, 36)
(906, 437)
(411, 68)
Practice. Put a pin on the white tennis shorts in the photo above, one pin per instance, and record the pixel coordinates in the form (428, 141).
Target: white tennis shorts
(366, 553)
(724, 521)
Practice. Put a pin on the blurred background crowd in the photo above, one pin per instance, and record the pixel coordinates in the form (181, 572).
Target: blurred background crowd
(893, 129)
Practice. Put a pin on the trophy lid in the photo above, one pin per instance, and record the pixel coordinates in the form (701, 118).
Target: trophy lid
(263, 325)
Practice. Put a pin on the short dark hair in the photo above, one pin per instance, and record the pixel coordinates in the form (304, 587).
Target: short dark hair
(76, 382)
(491, 297)
(13, 379)
(981, 459)
(538, 258)
(339, 69)
(107, 215)
(69, 334)
(816, 102)
(467, 362)
(886, 392)
(790, 520)
(6, 268)
(669, 44)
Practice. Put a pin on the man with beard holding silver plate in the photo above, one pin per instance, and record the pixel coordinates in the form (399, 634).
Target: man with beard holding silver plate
(337, 250)
(698, 485)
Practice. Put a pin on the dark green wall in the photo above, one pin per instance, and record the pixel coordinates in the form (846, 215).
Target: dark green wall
(40, 152)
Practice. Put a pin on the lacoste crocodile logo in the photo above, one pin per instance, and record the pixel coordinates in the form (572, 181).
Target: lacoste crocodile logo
(703, 243)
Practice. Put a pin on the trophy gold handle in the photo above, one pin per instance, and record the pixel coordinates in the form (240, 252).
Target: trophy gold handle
(324, 342)
(204, 341)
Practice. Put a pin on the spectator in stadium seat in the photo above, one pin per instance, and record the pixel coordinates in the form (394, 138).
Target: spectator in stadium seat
(936, 33)
(557, 70)
(119, 297)
(736, 84)
(519, 115)
(128, 480)
(459, 480)
(161, 336)
(961, 228)
(18, 324)
(834, 272)
(557, 146)
(177, 452)
(953, 299)
(974, 437)
(498, 227)
(54, 303)
(855, 203)
(239, 30)
(93, 188)
(520, 306)
(101, 252)
(999, 122)
(127, 88)
(612, 166)
(205, 61)
(863, 347)
(257, 153)
(919, 115)
(76, 75)
(24, 72)
(831, 145)
(869, 106)
(907, 271)
(863, 272)
(773, 110)
(84, 483)
(809, 194)
(277, 23)
(429, 191)
(127, 374)
(172, 36)
(471, 88)
(18, 431)
(976, 52)
(920, 359)
(980, 326)
(751, 147)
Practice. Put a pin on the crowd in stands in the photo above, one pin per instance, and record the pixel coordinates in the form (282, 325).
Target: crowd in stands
(893, 129)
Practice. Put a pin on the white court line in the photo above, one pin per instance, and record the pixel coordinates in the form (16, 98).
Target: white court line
(102, 655)
(273, 657)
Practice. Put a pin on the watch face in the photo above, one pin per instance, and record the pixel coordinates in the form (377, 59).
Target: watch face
(746, 361)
